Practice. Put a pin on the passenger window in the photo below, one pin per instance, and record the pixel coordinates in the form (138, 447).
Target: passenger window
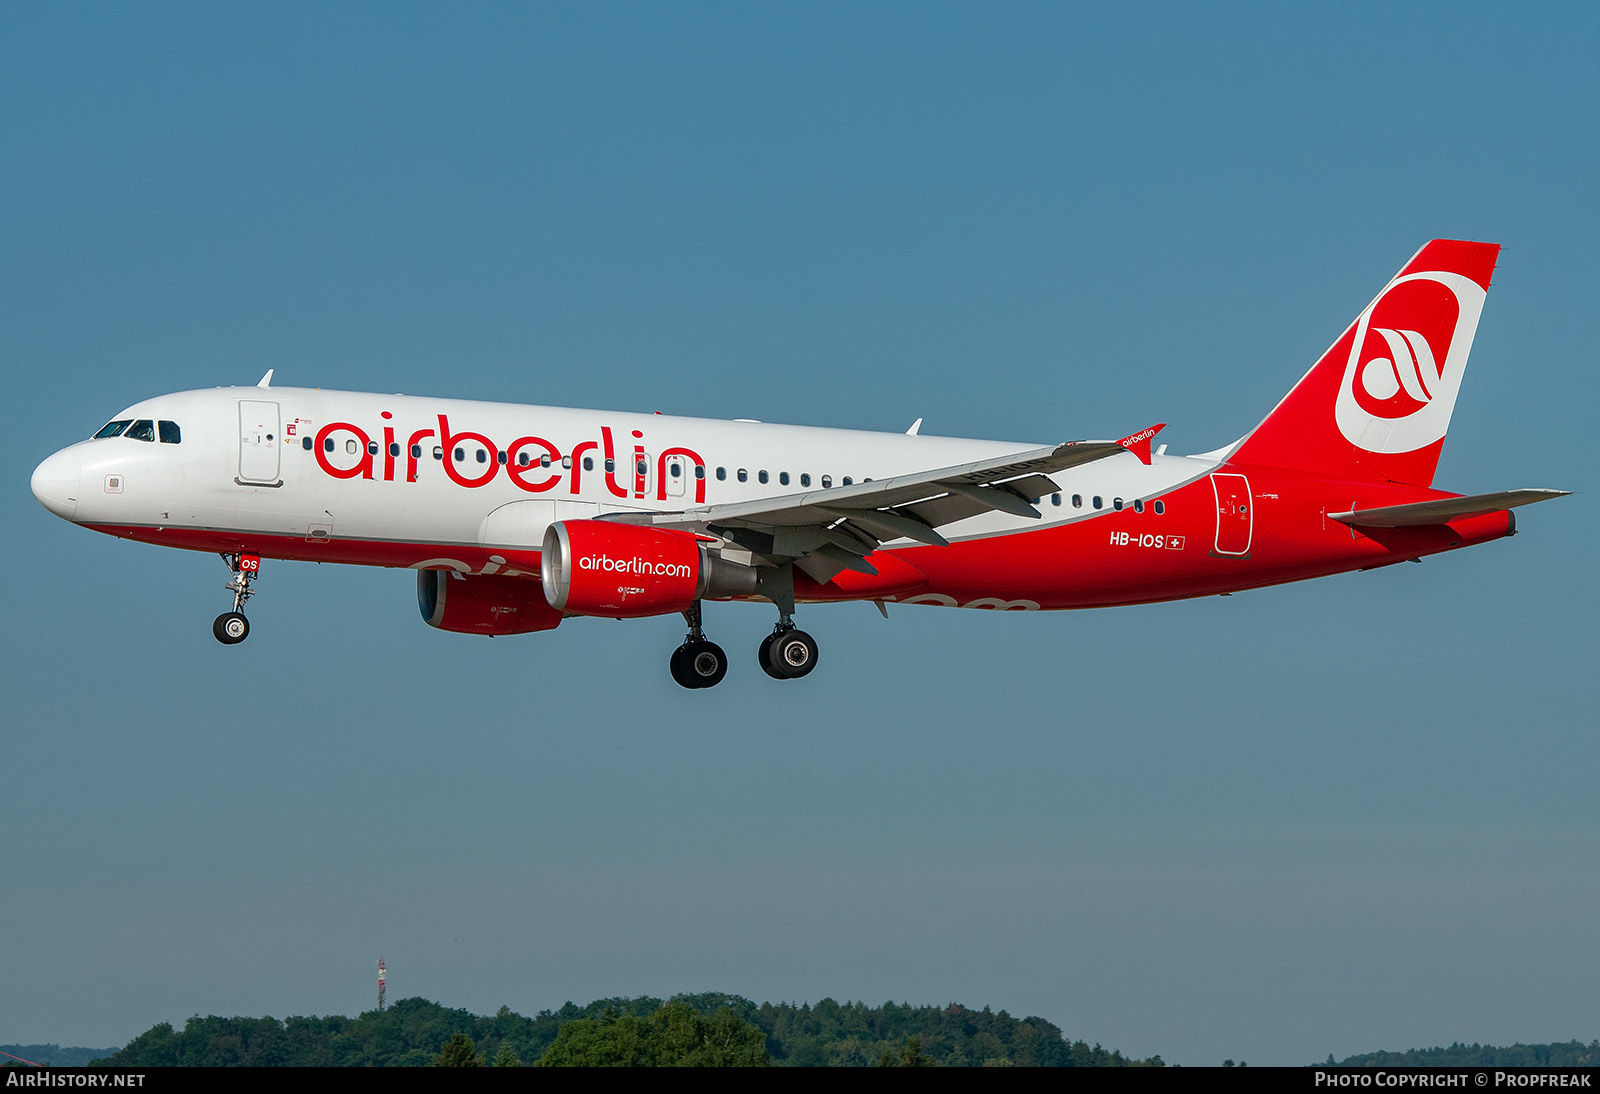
(699, 470)
(783, 478)
(500, 458)
(761, 475)
(611, 465)
(459, 455)
(327, 444)
(566, 462)
(1077, 501)
(1055, 499)
(305, 443)
(523, 459)
(588, 463)
(744, 476)
(827, 481)
(544, 460)
(170, 434)
(142, 430)
(483, 457)
(1098, 504)
(113, 429)
(1116, 503)
(675, 469)
(372, 448)
(722, 474)
(845, 481)
(438, 452)
(805, 479)
(1160, 507)
(1138, 506)
(351, 447)
(394, 448)
(416, 451)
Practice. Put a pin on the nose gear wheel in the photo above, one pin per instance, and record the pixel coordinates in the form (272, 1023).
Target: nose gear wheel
(231, 628)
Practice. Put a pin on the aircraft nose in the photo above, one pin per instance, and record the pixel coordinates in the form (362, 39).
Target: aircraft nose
(55, 483)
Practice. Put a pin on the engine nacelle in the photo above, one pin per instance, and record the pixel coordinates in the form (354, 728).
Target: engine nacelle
(625, 571)
(483, 604)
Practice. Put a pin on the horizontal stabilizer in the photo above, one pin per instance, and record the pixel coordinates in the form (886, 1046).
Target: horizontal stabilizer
(1443, 510)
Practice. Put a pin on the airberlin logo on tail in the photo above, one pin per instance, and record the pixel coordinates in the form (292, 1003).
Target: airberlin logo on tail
(1406, 361)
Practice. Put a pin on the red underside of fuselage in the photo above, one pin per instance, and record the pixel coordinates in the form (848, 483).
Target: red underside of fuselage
(1115, 557)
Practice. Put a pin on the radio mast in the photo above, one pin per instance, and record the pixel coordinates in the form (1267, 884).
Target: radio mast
(383, 980)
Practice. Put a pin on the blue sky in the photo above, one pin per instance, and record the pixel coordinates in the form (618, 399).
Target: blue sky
(1334, 817)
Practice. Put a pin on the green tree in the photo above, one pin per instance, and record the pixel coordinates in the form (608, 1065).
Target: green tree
(910, 1054)
(507, 1056)
(674, 1036)
(459, 1051)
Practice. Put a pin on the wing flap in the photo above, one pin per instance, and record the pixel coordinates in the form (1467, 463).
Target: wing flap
(826, 532)
(822, 506)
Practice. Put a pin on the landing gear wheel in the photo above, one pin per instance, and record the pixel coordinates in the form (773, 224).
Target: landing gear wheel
(790, 655)
(699, 664)
(707, 664)
(231, 628)
(763, 655)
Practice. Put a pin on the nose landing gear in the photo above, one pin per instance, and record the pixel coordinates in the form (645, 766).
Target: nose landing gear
(232, 627)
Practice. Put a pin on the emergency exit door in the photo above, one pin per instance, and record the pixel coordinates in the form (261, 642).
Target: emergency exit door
(259, 443)
(1235, 521)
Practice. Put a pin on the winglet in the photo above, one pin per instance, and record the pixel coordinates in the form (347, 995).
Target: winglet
(916, 425)
(265, 381)
(1139, 443)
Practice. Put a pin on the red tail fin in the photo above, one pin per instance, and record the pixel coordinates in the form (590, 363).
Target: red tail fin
(1377, 404)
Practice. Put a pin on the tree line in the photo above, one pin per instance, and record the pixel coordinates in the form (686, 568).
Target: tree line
(708, 1029)
(1555, 1054)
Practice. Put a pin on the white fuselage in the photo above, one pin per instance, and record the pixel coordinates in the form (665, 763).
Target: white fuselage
(426, 482)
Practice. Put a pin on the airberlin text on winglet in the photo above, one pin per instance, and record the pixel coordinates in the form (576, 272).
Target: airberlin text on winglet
(1139, 443)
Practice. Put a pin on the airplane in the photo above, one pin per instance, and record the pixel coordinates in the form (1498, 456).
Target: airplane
(517, 517)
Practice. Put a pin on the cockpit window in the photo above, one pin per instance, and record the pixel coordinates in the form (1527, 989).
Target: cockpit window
(113, 429)
(142, 430)
(170, 433)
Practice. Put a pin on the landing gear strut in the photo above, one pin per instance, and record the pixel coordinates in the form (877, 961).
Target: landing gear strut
(232, 627)
(699, 662)
(787, 653)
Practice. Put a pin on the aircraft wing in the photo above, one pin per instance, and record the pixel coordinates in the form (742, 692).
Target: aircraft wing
(1443, 510)
(829, 530)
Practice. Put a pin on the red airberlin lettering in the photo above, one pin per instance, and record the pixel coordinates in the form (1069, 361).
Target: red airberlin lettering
(448, 440)
(363, 465)
(515, 471)
(542, 472)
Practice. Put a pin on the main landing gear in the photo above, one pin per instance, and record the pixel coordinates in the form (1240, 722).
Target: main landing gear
(785, 654)
(699, 662)
(232, 627)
